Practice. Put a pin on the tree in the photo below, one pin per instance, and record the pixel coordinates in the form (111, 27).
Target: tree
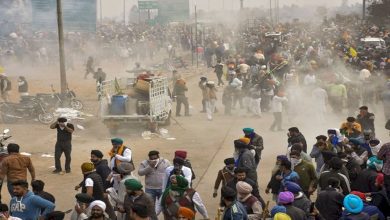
(379, 12)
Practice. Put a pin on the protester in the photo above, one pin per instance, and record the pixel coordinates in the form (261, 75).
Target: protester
(14, 167)
(37, 188)
(286, 199)
(27, 206)
(296, 137)
(101, 166)
(256, 142)
(178, 168)
(22, 86)
(154, 171)
(119, 153)
(234, 210)
(329, 200)
(63, 144)
(135, 195)
(225, 175)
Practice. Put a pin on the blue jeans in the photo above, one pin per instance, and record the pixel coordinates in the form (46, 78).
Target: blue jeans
(154, 193)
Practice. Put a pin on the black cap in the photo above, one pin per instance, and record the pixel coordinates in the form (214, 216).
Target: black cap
(321, 137)
(84, 198)
(336, 163)
(97, 153)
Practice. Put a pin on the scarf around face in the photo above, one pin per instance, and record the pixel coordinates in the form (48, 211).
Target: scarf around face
(180, 187)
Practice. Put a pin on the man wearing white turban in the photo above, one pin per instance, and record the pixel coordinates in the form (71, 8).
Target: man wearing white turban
(98, 208)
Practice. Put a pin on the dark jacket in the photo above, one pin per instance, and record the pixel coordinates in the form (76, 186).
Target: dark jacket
(257, 144)
(367, 121)
(103, 170)
(302, 202)
(326, 175)
(235, 212)
(275, 184)
(143, 199)
(360, 216)
(246, 160)
(381, 200)
(255, 192)
(295, 213)
(329, 204)
(298, 139)
(47, 196)
(365, 181)
(98, 188)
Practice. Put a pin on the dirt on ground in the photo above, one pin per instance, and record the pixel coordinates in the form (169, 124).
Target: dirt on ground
(208, 143)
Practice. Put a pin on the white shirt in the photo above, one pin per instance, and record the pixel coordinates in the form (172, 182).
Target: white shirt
(125, 158)
(277, 103)
(186, 171)
(88, 182)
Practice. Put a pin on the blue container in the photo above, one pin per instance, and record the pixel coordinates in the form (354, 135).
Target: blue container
(118, 105)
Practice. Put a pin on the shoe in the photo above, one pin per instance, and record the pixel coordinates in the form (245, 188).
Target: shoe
(68, 171)
(56, 171)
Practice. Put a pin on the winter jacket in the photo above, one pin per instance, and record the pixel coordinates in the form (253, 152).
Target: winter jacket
(302, 202)
(235, 212)
(247, 160)
(307, 175)
(381, 200)
(143, 199)
(367, 122)
(29, 206)
(365, 181)
(298, 139)
(326, 175)
(257, 143)
(224, 176)
(275, 184)
(154, 176)
(295, 213)
(330, 203)
(103, 170)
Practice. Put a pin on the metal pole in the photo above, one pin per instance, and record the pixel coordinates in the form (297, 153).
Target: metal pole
(196, 37)
(61, 47)
(270, 12)
(192, 47)
(241, 4)
(364, 11)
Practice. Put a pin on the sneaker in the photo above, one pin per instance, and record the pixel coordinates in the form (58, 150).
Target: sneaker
(56, 171)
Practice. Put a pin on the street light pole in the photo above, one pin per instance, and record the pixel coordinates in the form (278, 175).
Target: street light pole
(61, 47)
(101, 13)
(124, 12)
(196, 37)
(364, 11)
(241, 4)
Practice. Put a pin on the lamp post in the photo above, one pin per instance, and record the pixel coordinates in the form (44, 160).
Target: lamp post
(61, 47)
(196, 37)
(364, 11)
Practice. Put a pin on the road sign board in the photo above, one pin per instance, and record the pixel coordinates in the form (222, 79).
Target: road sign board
(147, 5)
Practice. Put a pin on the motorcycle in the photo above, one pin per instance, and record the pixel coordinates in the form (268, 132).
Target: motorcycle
(55, 100)
(29, 108)
(3, 150)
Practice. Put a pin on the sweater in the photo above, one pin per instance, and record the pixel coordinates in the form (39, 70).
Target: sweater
(154, 176)
(307, 175)
(29, 206)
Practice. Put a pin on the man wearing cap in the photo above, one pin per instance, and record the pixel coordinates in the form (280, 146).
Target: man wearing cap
(92, 183)
(225, 175)
(295, 136)
(98, 209)
(234, 210)
(245, 158)
(210, 99)
(63, 144)
(187, 163)
(366, 120)
(329, 200)
(101, 166)
(256, 143)
(154, 171)
(250, 202)
(178, 168)
(203, 87)
(185, 214)
(81, 209)
(286, 199)
(300, 199)
(119, 153)
(135, 195)
(353, 206)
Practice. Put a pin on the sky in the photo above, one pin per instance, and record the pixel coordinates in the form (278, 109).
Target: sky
(114, 8)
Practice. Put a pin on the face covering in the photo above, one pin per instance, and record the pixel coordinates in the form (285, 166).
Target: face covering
(295, 161)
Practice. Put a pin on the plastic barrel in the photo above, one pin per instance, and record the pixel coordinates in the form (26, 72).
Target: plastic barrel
(118, 105)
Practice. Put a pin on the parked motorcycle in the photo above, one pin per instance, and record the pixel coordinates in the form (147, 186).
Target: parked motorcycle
(55, 100)
(30, 108)
(3, 138)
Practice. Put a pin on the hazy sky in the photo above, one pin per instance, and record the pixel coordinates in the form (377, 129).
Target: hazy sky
(114, 8)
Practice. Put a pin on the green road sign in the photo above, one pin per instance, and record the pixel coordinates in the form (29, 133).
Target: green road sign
(147, 5)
